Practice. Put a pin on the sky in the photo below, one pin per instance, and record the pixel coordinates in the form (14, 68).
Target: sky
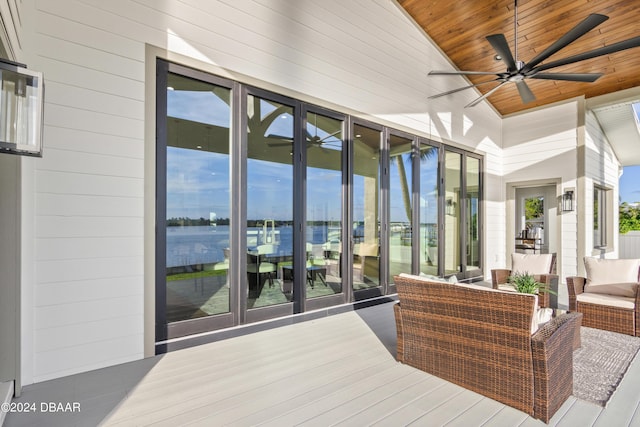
(630, 184)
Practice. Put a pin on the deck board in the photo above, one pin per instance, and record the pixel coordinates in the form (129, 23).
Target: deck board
(337, 370)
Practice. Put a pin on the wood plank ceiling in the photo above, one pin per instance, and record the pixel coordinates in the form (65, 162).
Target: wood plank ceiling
(459, 28)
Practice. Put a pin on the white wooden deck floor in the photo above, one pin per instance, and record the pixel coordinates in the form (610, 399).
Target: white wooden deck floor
(338, 370)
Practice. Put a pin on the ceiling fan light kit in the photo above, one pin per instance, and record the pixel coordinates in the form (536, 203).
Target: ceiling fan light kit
(518, 71)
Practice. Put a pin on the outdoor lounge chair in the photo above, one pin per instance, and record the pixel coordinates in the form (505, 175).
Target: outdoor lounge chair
(540, 266)
(608, 297)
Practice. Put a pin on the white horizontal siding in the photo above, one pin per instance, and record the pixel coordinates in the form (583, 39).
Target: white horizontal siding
(601, 169)
(362, 56)
(542, 145)
(601, 164)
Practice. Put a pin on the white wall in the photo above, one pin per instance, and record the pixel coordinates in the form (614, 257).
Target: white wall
(87, 279)
(602, 169)
(540, 148)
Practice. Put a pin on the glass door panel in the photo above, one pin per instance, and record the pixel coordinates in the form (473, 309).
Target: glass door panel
(366, 208)
(429, 210)
(197, 199)
(324, 147)
(269, 202)
(452, 235)
(472, 217)
(400, 206)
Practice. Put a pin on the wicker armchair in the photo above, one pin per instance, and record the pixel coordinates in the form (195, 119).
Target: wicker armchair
(541, 266)
(481, 339)
(609, 297)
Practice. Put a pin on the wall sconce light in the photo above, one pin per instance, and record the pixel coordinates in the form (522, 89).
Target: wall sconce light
(450, 207)
(21, 109)
(567, 201)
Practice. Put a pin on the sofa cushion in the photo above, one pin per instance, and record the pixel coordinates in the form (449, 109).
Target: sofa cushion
(618, 289)
(452, 279)
(612, 276)
(531, 263)
(610, 300)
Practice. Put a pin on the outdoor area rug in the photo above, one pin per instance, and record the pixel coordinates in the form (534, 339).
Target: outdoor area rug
(600, 364)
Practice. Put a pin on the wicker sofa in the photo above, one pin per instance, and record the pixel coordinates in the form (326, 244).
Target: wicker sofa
(608, 297)
(481, 339)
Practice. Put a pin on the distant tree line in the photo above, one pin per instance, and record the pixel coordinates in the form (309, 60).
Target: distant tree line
(186, 222)
(629, 218)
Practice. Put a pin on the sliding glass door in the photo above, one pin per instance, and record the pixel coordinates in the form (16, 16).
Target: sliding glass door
(400, 228)
(429, 211)
(269, 192)
(194, 212)
(324, 239)
(367, 144)
(462, 219)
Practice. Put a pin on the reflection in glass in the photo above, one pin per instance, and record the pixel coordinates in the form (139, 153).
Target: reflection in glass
(198, 208)
(452, 171)
(429, 210)
(400, 190)
(473, 210)
(269, 202)
(324, 205)
(366, 208)
(599, 217)
(534, 219)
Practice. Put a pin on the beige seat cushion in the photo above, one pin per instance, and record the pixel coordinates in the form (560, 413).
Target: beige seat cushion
(506, 287)
(610, 300)
(531, 263)
(612, 276)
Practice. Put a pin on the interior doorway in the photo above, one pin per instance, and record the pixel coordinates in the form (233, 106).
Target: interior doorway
(536, 210)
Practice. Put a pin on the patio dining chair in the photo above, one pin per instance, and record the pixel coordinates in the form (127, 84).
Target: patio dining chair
(258, 266)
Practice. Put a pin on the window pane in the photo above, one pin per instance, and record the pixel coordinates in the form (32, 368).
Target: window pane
(324, 205)
(452, 173)
(366, 217)
(400, 193)
(473, 212)
(198, 207)
(599, 217)
(269, 202)
(429, 210)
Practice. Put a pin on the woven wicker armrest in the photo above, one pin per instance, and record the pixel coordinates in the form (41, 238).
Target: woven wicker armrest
(551, 282)
(552, 348)
(575, 286)
(397, 311)
(499, 276)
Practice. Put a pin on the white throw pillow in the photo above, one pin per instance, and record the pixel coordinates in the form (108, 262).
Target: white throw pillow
(612, 276)
(531, 263)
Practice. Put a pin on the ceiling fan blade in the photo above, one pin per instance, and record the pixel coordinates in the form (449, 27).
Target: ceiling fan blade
(461, 73)
(589, 23)
(606, 50)
(459, 89)
(500, 45)
(486, 95)
(330, 135)
(572, 77)
(274, 140)
(525, 92)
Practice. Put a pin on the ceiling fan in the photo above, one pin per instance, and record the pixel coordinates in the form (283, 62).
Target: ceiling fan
(312, 140)
(517, 71)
